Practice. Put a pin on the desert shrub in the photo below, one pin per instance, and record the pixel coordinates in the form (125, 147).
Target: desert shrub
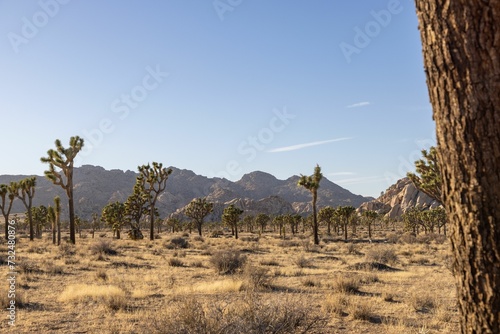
(419, 260)
(408, 238)
(422, 302)
(252, 315)
(197, 264)
(360, 311)
(101, 274)
(302, 262)
(227, 261)
(250, 239)
(311, 283)
(289, 243)
(336, 303)
(110, 296)
(431, 237)
(175, 262)
(176, 243)
(256, 277)
(28, 267)
(392, 238)
(271, 263)
(198, 238)
(102, 247)
(352, 249)
(20, 297)
(345, 284)
(54, 269)
(385, 255)
(67, 249)
(185, 235)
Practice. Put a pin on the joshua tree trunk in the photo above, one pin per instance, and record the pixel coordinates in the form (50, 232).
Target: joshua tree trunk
(315, 219)
(461, 48)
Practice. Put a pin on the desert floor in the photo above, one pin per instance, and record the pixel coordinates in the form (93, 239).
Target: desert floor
(397, 284)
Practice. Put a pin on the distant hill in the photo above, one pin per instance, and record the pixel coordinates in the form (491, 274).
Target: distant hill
(95, 186)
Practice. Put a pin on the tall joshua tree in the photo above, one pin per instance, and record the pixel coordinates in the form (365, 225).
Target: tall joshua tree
(152, 180)
(461, 49)
(345, 213)
(25, 191)
(135, 207)
(197, 210)
(311, 183)
(63, 159)
(7, 196)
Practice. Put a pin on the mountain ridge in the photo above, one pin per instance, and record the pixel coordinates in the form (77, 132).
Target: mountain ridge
(94, 187)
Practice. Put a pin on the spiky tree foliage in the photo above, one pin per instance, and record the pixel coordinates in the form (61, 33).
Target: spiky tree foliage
(152, 180)
(261, 220)
(327, 215)
(113, 215)
(63, 159)
(369, 217)
(135, 207)
(25, 191)
(412, 219)
(197, 210)
(231, 217)
(7, 196)
(311, 183)
(249, 221)
(39, 214)
(428, 179)
(345, 213)
(173, 223)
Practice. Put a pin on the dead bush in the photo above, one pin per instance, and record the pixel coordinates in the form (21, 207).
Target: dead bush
(227, 262)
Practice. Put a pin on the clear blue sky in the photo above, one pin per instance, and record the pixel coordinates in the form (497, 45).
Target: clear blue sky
(222, 88)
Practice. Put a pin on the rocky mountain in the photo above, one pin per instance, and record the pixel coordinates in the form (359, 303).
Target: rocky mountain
(95, 186)
(398, 198)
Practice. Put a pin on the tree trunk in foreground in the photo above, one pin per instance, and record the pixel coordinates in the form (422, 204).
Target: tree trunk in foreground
(461, 48)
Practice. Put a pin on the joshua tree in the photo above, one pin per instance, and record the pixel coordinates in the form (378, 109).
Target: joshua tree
(51, 218)
(152, 180)
(327, 215)
(261, 220)
(113, 215)
(63, 158)
(231, 217)
(369, 217)
(25, 191)
(249, 220)
(428, 179)
(135, 207)
(311, 183)
(39, 214)
(345, 213)
(197, 210)
(7, 196)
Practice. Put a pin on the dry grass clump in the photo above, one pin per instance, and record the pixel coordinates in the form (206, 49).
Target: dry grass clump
(20, 297)
(67, 249)
(101, 274)
(109, 296)
(102, 247)
(384, 255)
(250, 314)
(271, 263)
(360, 311)
(175, 262)
(256, 277)
(176, 243)
(422, 302)
(336, 303)
(303, 262)
(227, 261)
(345, 284)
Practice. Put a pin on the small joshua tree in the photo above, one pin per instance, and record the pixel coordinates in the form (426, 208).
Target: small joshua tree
(25, 191)
(231, 217)
(311, 183)
(197, 210)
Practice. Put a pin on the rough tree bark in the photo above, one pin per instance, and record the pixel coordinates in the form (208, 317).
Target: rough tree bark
(461, 48)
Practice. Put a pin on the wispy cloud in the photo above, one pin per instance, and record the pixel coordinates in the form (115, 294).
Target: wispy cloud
(358, 105)
(341, 174)
(301, 146)
(360, 180)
